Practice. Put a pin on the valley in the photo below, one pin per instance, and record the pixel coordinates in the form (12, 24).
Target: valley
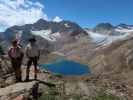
(107, 50)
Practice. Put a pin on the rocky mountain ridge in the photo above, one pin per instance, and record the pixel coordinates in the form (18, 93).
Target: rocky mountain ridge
(110, 63)
(109, 29)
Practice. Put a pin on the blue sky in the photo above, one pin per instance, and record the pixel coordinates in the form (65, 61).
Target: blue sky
(87, 13)
(90, 12)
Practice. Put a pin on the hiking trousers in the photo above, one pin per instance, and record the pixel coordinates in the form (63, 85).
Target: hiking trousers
(31, 60)
(16, 65)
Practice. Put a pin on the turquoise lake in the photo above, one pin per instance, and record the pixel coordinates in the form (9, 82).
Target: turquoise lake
(67, 67)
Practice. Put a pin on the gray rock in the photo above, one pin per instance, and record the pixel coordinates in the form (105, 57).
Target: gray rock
(15, 90)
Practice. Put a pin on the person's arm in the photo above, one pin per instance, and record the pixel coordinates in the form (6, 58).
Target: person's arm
(39, 53)
(26, 52)
(22, 53)
(9, 53)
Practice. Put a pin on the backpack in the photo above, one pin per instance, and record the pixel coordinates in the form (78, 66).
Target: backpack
(19, 53)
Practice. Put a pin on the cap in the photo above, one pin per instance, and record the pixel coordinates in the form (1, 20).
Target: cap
(14, 41)
(32, 39)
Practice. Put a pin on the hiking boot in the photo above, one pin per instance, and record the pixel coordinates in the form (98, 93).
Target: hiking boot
(35, 77)
(18, 79)
(27, 79)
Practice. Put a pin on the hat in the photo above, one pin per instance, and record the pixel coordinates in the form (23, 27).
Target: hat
(15, 41)
(32, 39)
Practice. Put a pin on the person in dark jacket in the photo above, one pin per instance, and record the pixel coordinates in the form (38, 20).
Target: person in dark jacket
(16, 56)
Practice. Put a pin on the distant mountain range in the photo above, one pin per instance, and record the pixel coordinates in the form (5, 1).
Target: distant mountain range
(51, 31)
(58, 33)
(64, 27)
(46, 32)
(105, 33)
(108, 29)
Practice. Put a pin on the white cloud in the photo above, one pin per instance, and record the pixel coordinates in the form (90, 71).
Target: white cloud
(20, 2)
(57, 19)
(20, 12)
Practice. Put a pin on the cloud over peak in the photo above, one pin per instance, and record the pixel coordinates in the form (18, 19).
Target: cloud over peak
(57, 19)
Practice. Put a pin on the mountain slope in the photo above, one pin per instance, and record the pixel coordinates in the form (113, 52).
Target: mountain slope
(64, 27)
(48, 33)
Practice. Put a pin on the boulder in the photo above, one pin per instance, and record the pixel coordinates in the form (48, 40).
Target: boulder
(18, 91)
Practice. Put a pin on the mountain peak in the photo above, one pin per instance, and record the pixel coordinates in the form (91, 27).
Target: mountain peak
(41, 20)
(103, 28)
(122, 25)
(104, 25)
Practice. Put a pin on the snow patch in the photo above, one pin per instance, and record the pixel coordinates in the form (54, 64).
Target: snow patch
(47, 34)
(124, 30)
(66, 25)
(101, 39)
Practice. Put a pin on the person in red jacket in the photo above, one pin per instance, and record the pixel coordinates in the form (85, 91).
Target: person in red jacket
(16, 56)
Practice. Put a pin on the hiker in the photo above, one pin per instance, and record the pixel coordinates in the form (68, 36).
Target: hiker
(16, 56)
(33, 54)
